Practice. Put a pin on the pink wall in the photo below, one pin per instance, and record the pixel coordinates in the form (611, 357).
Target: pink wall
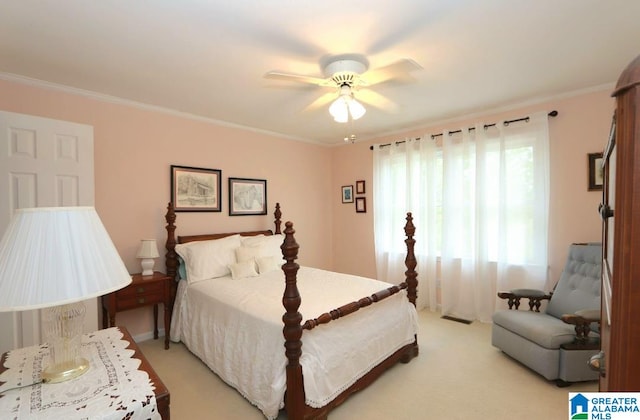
(134, 149)
(581, 127)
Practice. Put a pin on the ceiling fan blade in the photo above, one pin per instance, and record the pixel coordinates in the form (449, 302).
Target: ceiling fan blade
(295, 78)
(321, 101)
(376, 100)
(397, 70)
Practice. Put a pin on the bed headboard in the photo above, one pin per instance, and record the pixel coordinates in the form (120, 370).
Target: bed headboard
(183, 239)
(171, 255)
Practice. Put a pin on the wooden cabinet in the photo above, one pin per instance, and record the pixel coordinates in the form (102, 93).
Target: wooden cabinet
(143, 291)
(620, 210)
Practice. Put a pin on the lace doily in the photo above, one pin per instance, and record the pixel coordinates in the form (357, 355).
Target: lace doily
(112, 388)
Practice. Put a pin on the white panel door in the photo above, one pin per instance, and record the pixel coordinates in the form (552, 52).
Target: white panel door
(43, 163)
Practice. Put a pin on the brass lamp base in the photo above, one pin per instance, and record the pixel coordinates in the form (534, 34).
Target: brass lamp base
(65, 371)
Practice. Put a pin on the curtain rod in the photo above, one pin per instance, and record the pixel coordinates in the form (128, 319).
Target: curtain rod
(433, 136)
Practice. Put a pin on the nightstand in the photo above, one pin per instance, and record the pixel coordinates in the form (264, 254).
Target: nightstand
(143, 291)
(96, 394)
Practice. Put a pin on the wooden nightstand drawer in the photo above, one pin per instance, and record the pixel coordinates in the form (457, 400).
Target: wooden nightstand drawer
(129, 301)
(143, 288)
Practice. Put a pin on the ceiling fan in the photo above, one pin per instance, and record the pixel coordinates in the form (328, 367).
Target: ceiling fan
(347, 74)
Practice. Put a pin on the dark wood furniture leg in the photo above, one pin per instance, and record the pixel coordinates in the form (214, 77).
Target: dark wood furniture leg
(167, 325)
(105, 318)
(155, 321)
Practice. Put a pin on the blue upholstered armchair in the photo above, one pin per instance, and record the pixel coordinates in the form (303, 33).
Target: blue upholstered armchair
(558, 342)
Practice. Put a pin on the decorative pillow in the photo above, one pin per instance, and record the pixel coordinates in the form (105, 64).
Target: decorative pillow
(266, 264)
(208, 259)
(243, 269)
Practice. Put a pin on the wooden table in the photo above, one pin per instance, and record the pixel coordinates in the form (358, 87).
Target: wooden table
(161, 392)
(142, 291)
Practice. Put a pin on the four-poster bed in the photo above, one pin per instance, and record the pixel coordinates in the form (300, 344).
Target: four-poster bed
(230, 321)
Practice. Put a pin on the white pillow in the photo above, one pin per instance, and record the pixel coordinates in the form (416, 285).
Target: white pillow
(268, 245)
(266, 264)
(208, 259)
(247, 253)
(243, 269)
(271, 245)
(252, 240)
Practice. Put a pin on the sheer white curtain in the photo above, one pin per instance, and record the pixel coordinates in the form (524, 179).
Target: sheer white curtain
(480, 203)
(400, 170)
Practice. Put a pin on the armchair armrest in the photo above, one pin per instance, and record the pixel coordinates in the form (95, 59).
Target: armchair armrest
(535, 298)
(582, 320)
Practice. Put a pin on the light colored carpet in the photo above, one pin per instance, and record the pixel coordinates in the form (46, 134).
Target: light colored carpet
(458, 375)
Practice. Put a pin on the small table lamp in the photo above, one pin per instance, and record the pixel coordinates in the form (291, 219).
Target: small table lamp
(54, 258)
(147, 252)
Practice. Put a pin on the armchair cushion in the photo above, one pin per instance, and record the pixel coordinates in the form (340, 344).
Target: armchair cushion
(541, 329)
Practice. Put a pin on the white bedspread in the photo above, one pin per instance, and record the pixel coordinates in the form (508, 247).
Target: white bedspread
(235, 327)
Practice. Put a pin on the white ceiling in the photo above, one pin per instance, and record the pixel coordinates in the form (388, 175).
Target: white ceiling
(208, 58)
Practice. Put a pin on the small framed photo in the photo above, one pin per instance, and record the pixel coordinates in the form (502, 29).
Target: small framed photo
(360, 187)
(347, 193)
(195, 189)
(361, 205)
(595, 171)
(247, 197)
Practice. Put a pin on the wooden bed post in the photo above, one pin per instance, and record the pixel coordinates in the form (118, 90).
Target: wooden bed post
(171, 258)
(292, 331)
(410, 261)
(277, 214)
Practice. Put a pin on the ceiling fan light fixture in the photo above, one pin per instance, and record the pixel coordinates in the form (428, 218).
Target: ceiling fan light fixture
(339, 109)
(346, 106)
(356, 109)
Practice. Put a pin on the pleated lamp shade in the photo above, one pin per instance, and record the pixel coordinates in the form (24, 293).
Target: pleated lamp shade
(148, 249)
(57, 255)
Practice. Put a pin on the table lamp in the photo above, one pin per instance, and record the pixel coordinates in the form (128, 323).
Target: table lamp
(147, 252)
(54, 258)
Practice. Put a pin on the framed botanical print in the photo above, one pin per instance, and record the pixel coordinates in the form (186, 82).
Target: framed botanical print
(247, 196)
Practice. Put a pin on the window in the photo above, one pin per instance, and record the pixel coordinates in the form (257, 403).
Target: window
(479, 200)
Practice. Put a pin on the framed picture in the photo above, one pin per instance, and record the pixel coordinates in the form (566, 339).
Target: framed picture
(195, 189)
(360, 187)
(347, 193)
(247, 197)
(361, 205)
(595, 171)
